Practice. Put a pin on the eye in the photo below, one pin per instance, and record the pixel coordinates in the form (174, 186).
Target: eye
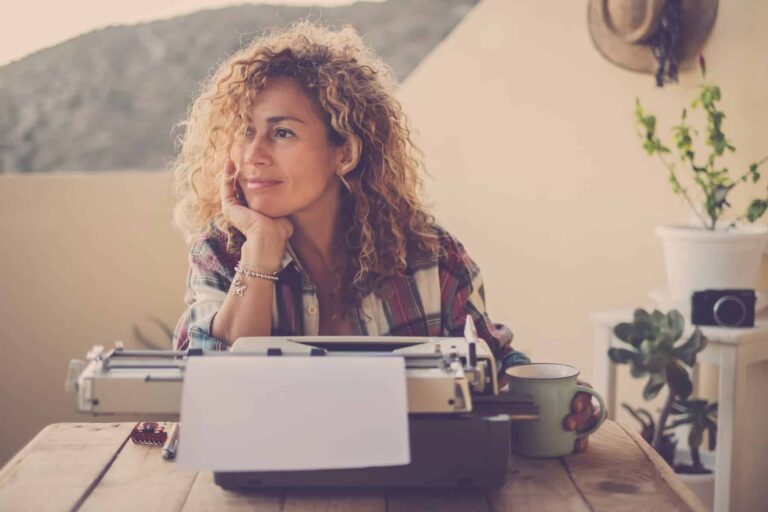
(249, 131)
(283, 133)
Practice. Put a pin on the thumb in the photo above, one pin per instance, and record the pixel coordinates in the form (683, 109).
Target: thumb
(287, 226)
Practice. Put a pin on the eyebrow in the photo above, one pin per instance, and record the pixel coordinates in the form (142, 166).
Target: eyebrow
(277, 119)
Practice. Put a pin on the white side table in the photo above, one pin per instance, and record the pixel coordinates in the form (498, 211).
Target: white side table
(741, 470)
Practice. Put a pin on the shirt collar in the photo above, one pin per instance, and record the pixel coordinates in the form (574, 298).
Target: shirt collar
(290, 257)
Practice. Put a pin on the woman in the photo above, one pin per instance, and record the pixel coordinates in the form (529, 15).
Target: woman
(297, 183)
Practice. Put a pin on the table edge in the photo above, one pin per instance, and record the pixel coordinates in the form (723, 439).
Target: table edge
(666, 473)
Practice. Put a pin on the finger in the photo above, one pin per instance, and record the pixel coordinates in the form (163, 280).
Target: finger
(581, 420)
(583, 383)
(581, 402)
(287, 226)
(581, 444)
(227, 189)
(594, 419)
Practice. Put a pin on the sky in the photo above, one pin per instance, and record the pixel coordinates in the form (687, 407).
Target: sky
(30, 25)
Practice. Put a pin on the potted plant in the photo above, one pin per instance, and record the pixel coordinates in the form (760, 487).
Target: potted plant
(701, 416)
(716, 252)
(655, 351)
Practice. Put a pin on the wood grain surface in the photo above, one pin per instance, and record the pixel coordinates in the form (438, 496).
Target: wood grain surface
(89, 467)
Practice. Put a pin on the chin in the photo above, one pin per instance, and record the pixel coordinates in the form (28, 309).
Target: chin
(273, 211)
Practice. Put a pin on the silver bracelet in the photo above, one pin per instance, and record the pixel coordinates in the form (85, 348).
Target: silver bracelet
(240, 287)
(252, 273)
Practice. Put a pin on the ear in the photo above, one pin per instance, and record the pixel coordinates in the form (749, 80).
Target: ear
(350, 155)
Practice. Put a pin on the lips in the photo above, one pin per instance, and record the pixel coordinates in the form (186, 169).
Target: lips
(261, 183)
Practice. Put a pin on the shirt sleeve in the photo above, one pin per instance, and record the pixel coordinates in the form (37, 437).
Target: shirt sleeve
(208, 281)
(463, 293)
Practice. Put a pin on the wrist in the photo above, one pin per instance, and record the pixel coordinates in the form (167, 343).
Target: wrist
(511, 359)
(256, 267)
(254, 257)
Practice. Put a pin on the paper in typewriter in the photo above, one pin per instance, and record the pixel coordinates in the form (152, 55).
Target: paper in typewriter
(246, 413)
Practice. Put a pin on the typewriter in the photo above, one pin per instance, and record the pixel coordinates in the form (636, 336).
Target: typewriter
(459, 423)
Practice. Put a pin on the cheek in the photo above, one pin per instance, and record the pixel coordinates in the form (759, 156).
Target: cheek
(235, 154)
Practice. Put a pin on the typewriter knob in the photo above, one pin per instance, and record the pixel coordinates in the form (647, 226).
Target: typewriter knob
(76, 367)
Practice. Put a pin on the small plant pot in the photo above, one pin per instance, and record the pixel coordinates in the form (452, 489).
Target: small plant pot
(703, 486)
(700, 259)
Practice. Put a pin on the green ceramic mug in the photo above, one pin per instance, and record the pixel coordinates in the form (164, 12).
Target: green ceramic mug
(552, 387)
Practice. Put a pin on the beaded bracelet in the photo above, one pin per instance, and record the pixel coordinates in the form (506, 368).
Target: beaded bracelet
(239, 286)
(252, 273)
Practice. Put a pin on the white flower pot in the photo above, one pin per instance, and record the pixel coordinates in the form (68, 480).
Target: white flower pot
(703, 486)
(699, 259)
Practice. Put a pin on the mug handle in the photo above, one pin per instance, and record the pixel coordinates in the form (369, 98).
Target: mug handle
(603, 411)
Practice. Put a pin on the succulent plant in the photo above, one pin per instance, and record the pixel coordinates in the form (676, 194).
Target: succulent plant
(702, 417)
(654, 351)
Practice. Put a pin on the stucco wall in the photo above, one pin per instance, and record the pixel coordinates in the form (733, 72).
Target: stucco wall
(529, 137)
(84, 258)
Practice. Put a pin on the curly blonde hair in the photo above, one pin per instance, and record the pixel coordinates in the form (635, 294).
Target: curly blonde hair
(381, 218)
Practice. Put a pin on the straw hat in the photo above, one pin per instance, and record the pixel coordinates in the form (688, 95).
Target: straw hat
(620, 29)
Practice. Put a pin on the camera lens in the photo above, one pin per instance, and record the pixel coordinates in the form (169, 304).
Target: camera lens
(729, 311)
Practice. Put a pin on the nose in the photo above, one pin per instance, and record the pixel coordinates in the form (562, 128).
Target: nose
(257, 151)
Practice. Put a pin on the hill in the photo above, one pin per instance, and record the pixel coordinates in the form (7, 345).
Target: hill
(108, 99)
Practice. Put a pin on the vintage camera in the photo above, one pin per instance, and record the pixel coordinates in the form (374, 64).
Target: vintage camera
(724, 308)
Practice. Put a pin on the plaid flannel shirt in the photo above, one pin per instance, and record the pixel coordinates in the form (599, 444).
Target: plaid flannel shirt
(433, 299)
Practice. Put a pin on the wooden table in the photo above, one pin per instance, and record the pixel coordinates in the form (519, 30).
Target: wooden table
(93, 466)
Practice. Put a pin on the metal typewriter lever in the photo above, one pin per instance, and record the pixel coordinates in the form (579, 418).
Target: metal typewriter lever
(76, 367)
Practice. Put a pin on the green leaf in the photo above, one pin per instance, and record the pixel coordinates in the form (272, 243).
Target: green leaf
(676, 188)
(654, 385)
(675, 324)
(641, 316)
(656, 362)
(637, 370)
(624, 331)
(679, 406)
(688, 350)
(756, 209)
(622, 355)
(653, 359)
(634, 333)
(677, 423)
(697, 405)
(679, 381)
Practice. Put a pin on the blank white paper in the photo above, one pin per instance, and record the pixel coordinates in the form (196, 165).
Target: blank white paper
(245, 413)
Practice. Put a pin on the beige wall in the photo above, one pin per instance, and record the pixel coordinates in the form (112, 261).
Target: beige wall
(536, 167)
(528, 134)
(82, 260)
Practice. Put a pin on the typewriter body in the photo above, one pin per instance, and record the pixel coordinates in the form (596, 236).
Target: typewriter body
(459, 423)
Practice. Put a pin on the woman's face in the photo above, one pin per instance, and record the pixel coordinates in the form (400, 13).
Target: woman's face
(285, 163)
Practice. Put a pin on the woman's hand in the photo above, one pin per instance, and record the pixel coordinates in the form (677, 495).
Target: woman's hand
(265, 237)
(583, 416)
